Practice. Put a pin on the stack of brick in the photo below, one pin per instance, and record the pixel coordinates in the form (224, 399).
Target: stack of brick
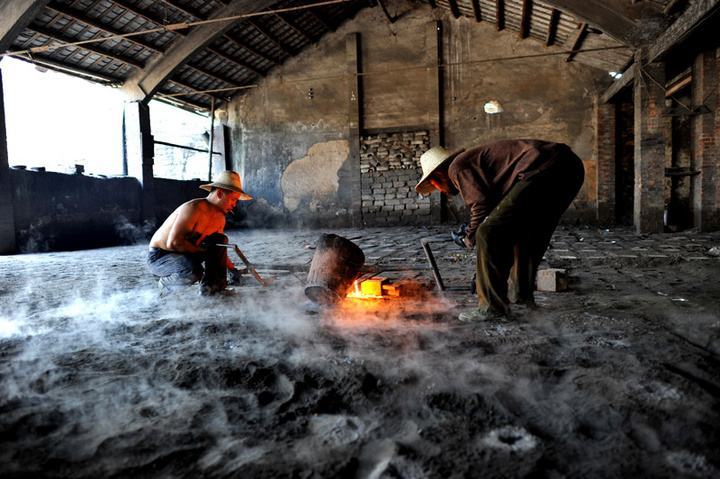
(390, 169)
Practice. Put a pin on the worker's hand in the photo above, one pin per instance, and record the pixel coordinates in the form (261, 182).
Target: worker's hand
(235, 276)
(468, 243)
(459, 236)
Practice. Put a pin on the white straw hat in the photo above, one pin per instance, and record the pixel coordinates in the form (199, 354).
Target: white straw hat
(228, 180)
(430, 161)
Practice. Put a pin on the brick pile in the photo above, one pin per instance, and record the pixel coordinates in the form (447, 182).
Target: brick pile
(390, 169)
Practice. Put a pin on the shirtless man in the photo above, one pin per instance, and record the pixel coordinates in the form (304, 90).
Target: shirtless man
(188, 237)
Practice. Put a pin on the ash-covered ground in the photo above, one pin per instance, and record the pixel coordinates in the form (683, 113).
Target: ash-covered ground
(617, 377)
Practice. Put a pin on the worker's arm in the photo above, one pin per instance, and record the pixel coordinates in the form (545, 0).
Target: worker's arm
(475, 195)
(182, 237)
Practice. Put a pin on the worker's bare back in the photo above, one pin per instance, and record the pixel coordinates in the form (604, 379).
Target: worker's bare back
(188, 225)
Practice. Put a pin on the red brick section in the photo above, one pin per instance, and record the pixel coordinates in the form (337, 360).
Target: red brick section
(706, 142)
(605, 154)
(650, 131)
(7, 221)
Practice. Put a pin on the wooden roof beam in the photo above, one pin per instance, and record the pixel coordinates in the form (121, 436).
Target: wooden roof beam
(145, 15)
(234, 61)
(295, 28)
(552, 27)
(270, 37)
(578, 42)
(142, 85)
(618, 85)
(14, 17)
(231, 38)
(80, 17)
(527, 7)
(63, 39)
(476, 10)
(681, 29)
(607, 15)
(500, 15)
(212, 75)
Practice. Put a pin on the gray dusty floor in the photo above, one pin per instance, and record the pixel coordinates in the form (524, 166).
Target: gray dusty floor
(618, 377)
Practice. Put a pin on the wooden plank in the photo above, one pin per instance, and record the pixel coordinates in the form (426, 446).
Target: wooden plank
(145, 83)
(15, 15)
(552, 27)
(500, 15)
(53, 35)
(527, 7)
(577, 43)
(454, 8)
(476, 10)
(252, 50)
(234, 61)
(618, 85)
(95, 23)
(270, 37)
(681, 29)
(295, 28)
(607, 15)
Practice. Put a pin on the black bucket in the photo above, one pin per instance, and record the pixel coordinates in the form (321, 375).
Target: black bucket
(335, 265)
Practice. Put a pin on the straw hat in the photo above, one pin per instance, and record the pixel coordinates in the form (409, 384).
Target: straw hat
(228, 180)
(430, 161)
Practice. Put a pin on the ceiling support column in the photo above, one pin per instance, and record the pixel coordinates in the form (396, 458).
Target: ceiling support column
(355, 98)
(706, 142)
(140, 154)
(650, 132)
(436, 104)
(605, 154)
(8, 243)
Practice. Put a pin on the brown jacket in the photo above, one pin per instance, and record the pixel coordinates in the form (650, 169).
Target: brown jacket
(485, 173)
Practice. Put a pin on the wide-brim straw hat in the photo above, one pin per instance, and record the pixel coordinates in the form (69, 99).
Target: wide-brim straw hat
(228, 180)
(430, 161)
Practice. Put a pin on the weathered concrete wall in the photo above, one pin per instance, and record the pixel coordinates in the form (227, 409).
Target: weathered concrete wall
(56, 211)
(302, 108)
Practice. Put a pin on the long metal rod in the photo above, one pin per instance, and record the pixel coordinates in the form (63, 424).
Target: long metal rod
(158, 142)
(425, 242)
(242, 257)
(211, 140)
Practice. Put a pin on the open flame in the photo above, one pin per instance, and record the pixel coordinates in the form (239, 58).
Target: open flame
(367, 289)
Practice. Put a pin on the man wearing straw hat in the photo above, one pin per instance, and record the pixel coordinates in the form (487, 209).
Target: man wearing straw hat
(188, 238)
(516, 191)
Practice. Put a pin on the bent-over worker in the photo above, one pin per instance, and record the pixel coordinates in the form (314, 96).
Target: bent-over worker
(189, 236)
(516, 191)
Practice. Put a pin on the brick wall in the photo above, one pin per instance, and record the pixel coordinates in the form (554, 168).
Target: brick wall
(605, 154)
(390, 169)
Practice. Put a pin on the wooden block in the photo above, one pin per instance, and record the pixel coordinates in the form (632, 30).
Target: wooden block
(552, 279)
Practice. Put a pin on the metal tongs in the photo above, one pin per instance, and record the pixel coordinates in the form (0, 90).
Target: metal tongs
(249, 266)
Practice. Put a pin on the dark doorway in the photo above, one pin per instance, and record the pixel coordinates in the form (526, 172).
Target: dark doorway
(678, 168)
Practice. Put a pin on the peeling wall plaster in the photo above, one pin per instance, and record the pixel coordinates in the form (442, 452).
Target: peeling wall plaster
(314, 177)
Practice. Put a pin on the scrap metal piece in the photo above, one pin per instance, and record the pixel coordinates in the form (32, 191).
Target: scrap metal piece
(242, 257)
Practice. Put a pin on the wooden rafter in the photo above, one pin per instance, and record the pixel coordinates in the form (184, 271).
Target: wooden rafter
(476, 10)
(211, 74)
(183, 9)
(63, 39)
(294, 28)
(253, 50)
(270, 37)
(454, 8)
(527, 7)
(500, 15)
(80, 17)
(552, 27)
(577, 43)
(148, 16)
(321, 21)
(234, 61)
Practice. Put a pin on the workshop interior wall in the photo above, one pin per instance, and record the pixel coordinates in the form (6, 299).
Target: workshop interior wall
(296, 123)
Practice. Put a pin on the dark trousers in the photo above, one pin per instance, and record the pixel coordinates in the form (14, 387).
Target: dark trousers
(189, 266)
(513, 238)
